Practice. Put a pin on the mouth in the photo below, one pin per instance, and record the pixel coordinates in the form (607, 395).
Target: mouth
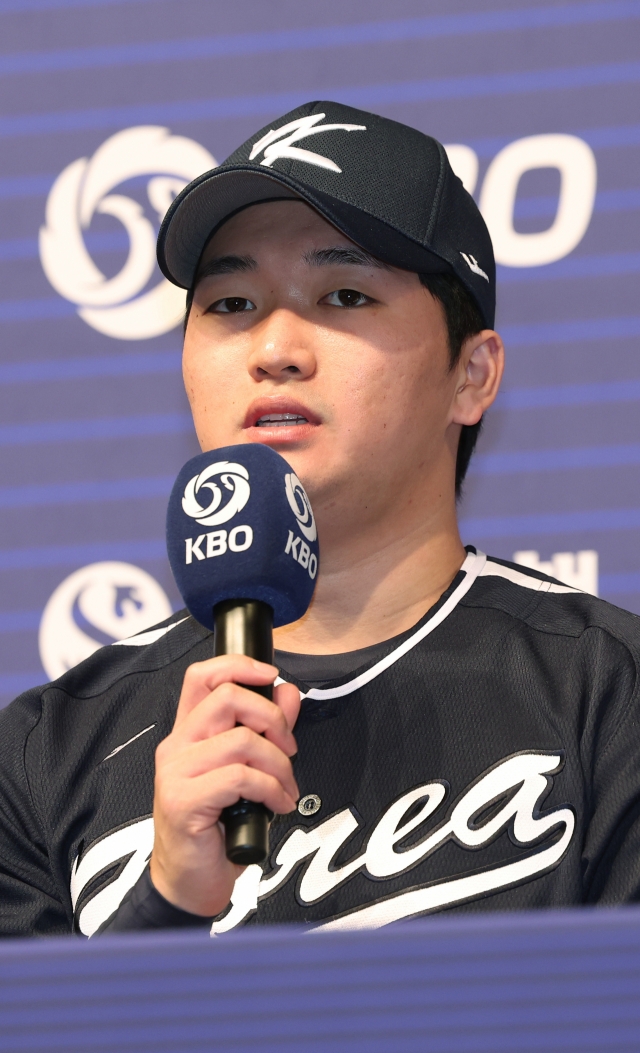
(280, 420)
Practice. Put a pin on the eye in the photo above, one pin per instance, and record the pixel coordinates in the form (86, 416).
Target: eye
(232, 305)
(346, 298)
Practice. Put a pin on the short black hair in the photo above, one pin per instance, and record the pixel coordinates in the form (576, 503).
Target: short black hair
(463, 319)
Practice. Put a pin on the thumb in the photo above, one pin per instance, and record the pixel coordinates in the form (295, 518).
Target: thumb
(287, 697)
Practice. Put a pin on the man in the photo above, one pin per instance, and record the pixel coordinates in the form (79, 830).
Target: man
(468, 736)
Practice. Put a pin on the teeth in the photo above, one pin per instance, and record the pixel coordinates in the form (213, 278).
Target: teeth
(280, 420)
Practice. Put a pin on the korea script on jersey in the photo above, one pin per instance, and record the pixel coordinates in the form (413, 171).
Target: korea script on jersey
(521, 782)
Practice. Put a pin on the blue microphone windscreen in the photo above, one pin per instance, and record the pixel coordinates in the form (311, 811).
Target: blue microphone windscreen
(240, 526)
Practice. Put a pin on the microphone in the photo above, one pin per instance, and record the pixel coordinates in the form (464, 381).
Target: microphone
(243, 548)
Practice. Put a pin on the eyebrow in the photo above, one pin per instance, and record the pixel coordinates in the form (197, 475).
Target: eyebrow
(350, 257)
(338, 256)
(225, 265)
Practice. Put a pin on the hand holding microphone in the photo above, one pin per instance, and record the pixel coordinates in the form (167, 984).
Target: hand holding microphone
(243, 548)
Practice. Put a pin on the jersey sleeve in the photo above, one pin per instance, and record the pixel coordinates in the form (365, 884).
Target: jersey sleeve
(30, 904)
(611, 848)
(144, 907)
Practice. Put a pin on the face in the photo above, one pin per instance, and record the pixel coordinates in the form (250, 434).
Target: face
(299, 340)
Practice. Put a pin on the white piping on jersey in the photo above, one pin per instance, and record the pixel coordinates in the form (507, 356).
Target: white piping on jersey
(127, 743)
(520, 577)
(148, 637)
(476, 565)
(471, 568)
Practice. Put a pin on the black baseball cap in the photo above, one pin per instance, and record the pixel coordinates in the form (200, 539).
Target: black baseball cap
(388, 187)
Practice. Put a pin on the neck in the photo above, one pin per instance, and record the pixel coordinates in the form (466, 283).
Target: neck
(376, 584)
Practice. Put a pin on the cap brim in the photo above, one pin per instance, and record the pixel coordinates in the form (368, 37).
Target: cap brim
(213, 197)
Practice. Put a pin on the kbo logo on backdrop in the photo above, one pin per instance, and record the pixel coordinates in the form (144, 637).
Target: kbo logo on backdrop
(97, 605)
(121, 307)
(574, 160)
(125, 308)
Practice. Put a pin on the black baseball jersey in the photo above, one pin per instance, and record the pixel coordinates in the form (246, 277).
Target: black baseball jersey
(488, 759)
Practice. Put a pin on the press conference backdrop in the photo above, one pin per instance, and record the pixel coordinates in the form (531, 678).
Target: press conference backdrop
(109, 108)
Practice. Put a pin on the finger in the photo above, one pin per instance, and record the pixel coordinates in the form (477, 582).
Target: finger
(229, 705)
(287, 698)
(225, 786)
(238, 746)
(197, 806)
(202, 678)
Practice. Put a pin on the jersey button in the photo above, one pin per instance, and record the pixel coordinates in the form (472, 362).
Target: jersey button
(310, 804)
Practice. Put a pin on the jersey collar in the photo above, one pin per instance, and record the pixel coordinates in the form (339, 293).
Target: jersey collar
(469, 571)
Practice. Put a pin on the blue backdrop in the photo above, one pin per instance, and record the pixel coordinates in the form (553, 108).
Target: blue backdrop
(108, 108)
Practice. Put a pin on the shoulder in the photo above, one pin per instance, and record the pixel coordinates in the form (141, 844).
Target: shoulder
(147, 655)
(151, 651)
(549, 606)
(72, 723)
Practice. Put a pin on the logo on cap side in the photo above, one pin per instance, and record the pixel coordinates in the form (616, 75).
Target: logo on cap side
(474, 266)
(234, 477)
(297, 497)
(294, 131)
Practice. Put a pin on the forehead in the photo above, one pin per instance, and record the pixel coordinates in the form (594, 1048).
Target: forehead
(273, 225)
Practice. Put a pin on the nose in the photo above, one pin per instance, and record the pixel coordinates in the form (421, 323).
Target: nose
(282, 349)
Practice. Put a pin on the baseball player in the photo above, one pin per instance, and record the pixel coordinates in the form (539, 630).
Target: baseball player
(449, 731)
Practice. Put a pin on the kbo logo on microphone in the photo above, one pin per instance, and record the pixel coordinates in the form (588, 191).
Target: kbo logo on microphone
(235, 479)
(301, 508)
(217, 507)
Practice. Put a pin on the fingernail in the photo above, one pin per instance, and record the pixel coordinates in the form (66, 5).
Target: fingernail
(262, 666)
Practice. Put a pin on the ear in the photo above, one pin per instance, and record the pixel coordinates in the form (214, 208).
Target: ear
(479, 372)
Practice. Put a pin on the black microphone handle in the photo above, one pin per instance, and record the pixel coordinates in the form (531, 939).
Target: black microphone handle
(245, 627)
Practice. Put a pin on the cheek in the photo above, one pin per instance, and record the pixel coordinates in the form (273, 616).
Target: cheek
(397, 391)
(208, 375)
(197, 376)
(193, 360)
